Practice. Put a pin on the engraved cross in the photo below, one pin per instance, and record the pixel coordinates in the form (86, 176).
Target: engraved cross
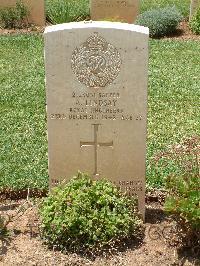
(96, 144)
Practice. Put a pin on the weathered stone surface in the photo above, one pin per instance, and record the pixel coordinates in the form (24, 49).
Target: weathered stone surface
(96, 78)
(114, 10)
(195, 4)
(35, 7)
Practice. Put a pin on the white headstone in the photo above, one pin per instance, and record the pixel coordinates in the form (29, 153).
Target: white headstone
(96, 78)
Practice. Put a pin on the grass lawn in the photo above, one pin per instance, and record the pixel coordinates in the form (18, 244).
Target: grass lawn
(174, 93)
(174, 98)
(23, 155)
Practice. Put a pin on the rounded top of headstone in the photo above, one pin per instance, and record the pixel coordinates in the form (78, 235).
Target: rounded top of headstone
(97, 24)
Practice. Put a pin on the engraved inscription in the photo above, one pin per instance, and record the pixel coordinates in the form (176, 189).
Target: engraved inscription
(96, 106)
(96, 63)
(109, 4)
(96, 144)
(131, 188)
(55, 182)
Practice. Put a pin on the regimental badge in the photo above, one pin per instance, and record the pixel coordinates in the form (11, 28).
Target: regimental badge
(96, 63)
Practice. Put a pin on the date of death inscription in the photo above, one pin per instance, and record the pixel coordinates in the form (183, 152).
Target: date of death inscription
(131, 188)
(95, 106)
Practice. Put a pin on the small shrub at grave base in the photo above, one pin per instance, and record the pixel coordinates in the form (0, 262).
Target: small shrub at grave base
(195, 22)
(14, 17)
(61, 11)
(184, 191)
(88, 215)
(161, 22)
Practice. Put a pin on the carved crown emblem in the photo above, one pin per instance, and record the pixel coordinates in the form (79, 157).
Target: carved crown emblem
(96, 63)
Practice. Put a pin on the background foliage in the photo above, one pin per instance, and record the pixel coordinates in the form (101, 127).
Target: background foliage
(195, 22)
(182, 5)
(14, 17)
(61, 11)
(160, 21)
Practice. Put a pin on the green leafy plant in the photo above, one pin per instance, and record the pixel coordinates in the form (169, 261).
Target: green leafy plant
(184, 199)
(86, 214)
(195, 22)
(14, 17)
(184, 190)
(184, 204)
(61, 11)
(4, 234)
(161, 21)
(182, 6)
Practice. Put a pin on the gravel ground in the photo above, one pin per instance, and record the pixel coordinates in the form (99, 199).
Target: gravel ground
(25, 247)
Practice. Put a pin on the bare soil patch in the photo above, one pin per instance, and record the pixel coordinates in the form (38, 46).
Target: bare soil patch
(24, 246)
(29, 30)
(183, 33)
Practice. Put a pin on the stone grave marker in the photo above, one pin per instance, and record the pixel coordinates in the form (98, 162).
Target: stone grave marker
(195, 4)
(114, 10)
(36, 10)
(96, 79)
